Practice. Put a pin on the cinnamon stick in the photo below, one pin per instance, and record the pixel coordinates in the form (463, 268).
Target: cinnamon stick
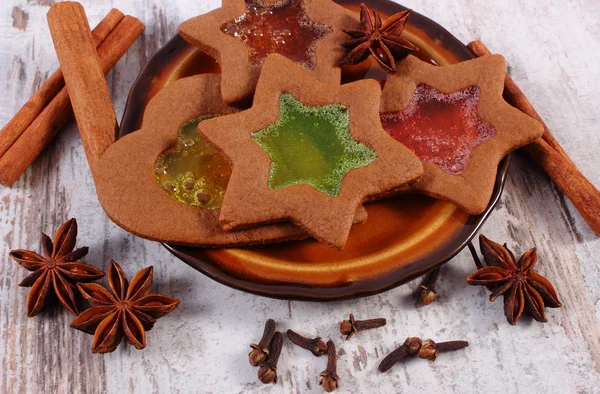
(548, 153)
(56, 114)
(84, 78)
(36, 104)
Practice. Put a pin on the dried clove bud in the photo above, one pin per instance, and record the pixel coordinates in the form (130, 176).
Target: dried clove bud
(413, 344)
(410, 347)
(329, 377)
(415, 347)
(317, 346)
(427, 295)
(260, 351)
(351, 326)
(267, 373)
(428, 288)
(430, 350)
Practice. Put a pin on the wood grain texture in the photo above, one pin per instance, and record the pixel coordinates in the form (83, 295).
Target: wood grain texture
(553, 48)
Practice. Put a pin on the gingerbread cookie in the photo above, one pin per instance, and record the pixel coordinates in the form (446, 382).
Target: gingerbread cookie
(242, 33)
(455, 119)
(308, 152)
(164, 183)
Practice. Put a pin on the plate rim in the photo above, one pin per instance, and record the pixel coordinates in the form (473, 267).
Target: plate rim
(355, 289)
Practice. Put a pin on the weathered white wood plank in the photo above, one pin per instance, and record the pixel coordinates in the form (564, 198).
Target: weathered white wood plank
(553, 48)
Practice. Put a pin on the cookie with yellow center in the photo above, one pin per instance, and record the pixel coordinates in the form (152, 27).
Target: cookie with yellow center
(456, 121)
(307, 152)
(242, 33)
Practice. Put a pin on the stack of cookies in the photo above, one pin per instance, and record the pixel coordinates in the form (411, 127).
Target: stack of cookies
(277, 148)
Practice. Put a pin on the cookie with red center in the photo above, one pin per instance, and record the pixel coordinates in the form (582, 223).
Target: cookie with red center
(242, 33)
(165, 183)
(456, 121)
(307, 152)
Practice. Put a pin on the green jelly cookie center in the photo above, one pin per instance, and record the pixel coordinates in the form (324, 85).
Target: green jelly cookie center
(312, 146)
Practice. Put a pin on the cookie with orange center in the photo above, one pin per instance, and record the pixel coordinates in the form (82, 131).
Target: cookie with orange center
(307, 152)
(165, 183)
(242, 33)
(456, 121)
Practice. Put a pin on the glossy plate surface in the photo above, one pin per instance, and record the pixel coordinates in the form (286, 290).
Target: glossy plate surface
(403, 238)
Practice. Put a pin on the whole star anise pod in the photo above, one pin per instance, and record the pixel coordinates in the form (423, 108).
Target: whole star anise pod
(57, 272)
(522, 288)
(382, 40)
(128, 310)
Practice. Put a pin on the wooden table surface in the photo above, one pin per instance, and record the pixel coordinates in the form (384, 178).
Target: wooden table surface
(553, 48)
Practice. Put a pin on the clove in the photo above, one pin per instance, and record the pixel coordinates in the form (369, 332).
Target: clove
(428, 288)
(410, 347)
(351, 326)
(261, 350)
(329, 377)
(317, 346)
(267, 373)
(430, 350)
(415, 347)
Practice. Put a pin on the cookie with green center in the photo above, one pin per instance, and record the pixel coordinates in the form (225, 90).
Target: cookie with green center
(242, 33)
(307, 152)
(311, 145)
(166, 183)
(456, 121)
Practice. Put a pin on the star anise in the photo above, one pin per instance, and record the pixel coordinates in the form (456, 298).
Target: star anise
(382, 40)
(522, 288)
(128, 310)
(57, 272)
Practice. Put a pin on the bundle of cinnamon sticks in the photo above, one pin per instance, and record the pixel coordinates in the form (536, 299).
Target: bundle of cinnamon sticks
(27, 134)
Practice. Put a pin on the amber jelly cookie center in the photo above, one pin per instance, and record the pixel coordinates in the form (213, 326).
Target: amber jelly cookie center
(193, 172)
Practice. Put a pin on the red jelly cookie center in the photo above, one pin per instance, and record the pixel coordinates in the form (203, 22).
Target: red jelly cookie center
(285, 29)
(440, 128)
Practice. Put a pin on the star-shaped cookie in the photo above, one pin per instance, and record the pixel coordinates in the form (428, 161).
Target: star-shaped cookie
(456, 120)
(307, 152)
(163, 182)
(241, 33)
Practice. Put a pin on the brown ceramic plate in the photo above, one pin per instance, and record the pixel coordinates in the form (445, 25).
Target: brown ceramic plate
(404, 237)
